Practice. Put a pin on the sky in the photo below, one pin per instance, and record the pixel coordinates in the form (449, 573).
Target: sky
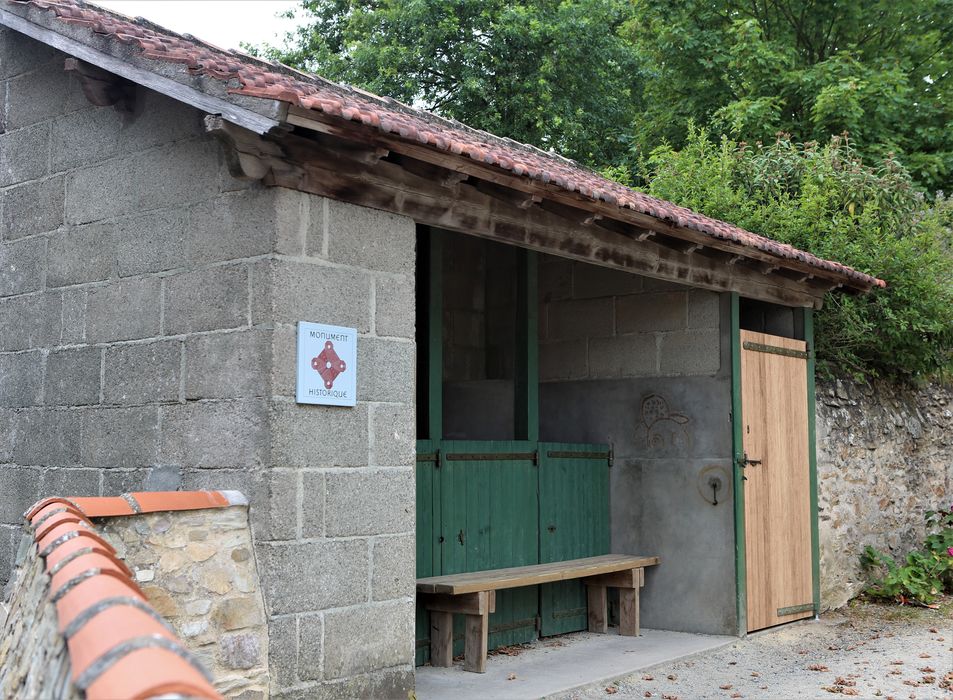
(224, 23)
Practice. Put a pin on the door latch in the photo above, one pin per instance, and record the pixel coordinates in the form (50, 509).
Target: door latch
(461, 537)
(750, 462)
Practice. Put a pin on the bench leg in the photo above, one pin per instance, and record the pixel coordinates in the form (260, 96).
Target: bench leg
(474, 654)
(598, 608)
(441, 638)
(629, 612)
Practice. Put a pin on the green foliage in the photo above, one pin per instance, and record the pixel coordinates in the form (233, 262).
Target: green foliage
(881, 70)
(925, 573)
(825, 200)
(554, 74)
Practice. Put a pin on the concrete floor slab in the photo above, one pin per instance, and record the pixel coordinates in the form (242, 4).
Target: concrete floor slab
(559, 664)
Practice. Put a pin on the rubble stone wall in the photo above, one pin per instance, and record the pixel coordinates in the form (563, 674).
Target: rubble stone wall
(884, 457)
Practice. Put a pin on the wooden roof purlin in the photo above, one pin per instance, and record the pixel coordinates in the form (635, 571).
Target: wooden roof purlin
(365, 167)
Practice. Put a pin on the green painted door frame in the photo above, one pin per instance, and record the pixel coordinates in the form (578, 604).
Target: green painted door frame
(737, 430)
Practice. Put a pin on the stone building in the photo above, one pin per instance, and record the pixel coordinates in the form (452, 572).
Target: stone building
(171, 212)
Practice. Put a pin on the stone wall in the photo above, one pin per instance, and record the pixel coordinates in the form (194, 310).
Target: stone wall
(198, 570)
(148, 304)
(884, 457)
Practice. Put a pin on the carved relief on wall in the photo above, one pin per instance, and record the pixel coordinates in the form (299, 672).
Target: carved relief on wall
(664, 428)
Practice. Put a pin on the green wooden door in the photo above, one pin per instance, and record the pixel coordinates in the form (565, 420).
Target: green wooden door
(489, 505)
(574, 522)
(428, 547)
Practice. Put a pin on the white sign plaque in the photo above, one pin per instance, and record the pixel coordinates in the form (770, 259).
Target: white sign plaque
(327, 364)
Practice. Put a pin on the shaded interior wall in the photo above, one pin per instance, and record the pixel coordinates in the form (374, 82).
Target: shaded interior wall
(479, 338)
(148, 304)
(645, 365)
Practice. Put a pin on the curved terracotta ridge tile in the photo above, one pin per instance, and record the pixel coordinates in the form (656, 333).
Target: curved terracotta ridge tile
(155, 501)
(107, 630)
(48, 511)
(43, 502)
(256, 78)
(147, 673)
(62, 530)
(57, 519)
(78, 547)
(90, 592)
(49, 549)
(103, 506)
(101, 563)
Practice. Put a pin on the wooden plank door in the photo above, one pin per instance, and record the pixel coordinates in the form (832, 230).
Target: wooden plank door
(489, 504)
(573, 523)
(777, 486)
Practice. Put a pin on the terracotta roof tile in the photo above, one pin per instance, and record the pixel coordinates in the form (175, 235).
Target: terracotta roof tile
(255, 78)
(119, 646)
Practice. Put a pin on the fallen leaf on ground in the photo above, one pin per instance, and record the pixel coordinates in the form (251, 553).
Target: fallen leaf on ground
(833, 648)
(907, 681)
(669, 697)
(941, 639)
(647, 677)
(672, 677)
(844, 682)
(895, 672)
(817, 667)
(896, 663)
(924, 655)
(934, 630)
(511, 677)
(802, 651)
(647, 694)
(928, 680)
(737, 695)
(926, 669)
(755, 674)
(611, 690)
(839, 690)
(726, 686)
(851, 648)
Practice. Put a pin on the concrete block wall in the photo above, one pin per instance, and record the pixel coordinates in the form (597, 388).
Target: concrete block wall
(148, 304)
(645, 365)
(597, 323)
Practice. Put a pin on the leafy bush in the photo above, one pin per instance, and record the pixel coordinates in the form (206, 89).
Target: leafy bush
(926, 573)
(823, 199)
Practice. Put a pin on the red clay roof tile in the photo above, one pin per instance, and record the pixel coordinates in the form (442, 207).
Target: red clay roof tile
(256, 78)
(119, 646)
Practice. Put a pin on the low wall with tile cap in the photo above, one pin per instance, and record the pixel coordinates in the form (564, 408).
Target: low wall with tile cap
(148, 304)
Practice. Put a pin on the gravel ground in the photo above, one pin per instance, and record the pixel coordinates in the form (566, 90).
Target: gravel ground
(863, 650)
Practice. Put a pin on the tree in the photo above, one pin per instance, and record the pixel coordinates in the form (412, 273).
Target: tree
(879, 70)
(825, 200)
(556, 74)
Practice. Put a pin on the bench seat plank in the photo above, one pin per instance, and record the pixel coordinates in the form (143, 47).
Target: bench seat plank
(514, 577)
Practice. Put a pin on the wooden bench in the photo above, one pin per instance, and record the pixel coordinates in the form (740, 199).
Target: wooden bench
(473, 594)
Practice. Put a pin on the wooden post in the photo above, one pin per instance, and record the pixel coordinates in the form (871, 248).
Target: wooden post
(474, 652)
(629, 612)
(441, 638)
(598, 608)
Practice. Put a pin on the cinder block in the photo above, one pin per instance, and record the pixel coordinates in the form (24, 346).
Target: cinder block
(300, 222)
(151, 242)
(645, 313)
(300, 435)
(313, 575)
(137, 374)
(21, 266)
(391, 683)
(362, 502)
(20, 54)
(31, 208)
(21, 489)
(73, 331)
(284, 349)
(86, 136)
(46, 437)
(690, 352)
(591, 281)
(120, 437)
(369, 238)
(231, 226)
(703, 309)
(395, 434)
(160, 120)
(386, 370)
(555, 278)
(127, 310)
(310, 647)
(81, 254)
(164, 477)
(215, 434)
(73, 377)
(117, 481)
(36, 96)
(368, 638)
(31, 321)
(8, 424)
(227, 365)
(179, 174)
(582, 318)
(393, 567)
(314, 292)
(624, 356)
(204, 300)
(313, 497)
(283, 650)
(395, 306)
(71, 482)
(22, 379)
(563, 360)
(24, 154)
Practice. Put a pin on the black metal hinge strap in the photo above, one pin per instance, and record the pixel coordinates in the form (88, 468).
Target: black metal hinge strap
(491, 457)
(806, 607)
(775, 350)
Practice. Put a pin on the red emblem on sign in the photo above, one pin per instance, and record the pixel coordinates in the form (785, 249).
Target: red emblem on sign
(328, 365)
